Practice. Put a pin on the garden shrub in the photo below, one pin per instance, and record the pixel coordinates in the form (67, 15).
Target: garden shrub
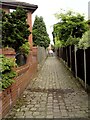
(6, 72)
(84, 42)
(25, 49)
(15, 30)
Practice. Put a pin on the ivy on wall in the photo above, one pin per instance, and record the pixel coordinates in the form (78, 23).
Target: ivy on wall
(6, 71)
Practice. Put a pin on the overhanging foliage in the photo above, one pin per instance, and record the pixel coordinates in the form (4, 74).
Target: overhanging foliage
(15, 30)
(84, 42)
(6, 71)
(71, 26)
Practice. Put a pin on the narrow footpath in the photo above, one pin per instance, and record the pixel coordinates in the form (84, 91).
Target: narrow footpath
(54, 93)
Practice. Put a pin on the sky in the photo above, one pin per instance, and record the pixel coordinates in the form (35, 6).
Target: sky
(47, 9)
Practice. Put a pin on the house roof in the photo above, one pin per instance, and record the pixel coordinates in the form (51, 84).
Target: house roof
(12, 4)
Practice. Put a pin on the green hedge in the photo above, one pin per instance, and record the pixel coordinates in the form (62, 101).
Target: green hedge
(6, 71)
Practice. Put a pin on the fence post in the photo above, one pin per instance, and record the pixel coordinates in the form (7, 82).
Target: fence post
(66, 56)
(59, 52)
(85, 69)
(70, 56)
(75, 50)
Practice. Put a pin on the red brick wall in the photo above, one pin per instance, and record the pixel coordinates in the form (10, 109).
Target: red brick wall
(8, 52)
(9, 96)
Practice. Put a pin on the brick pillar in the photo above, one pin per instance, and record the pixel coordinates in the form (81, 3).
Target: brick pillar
(8, 52)
(6, 10)
(29, 21)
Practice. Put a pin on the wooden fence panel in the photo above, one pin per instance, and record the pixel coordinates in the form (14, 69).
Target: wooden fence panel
(80, 63)
(88, 65)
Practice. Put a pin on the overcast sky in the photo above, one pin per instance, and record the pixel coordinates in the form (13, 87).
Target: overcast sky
(47, 9)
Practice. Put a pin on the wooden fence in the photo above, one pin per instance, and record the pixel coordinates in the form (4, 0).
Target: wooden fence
(78, 61)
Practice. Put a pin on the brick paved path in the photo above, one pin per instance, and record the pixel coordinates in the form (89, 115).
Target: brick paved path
(54, 93)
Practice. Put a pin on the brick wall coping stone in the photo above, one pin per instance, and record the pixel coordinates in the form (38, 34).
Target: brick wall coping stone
(14, 4)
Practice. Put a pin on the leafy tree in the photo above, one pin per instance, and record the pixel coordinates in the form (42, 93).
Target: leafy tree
(84, 42)
(71, 25)
(40, 35)
(15, 30)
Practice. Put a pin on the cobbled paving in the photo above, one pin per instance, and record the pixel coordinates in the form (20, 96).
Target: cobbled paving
(54, 93)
